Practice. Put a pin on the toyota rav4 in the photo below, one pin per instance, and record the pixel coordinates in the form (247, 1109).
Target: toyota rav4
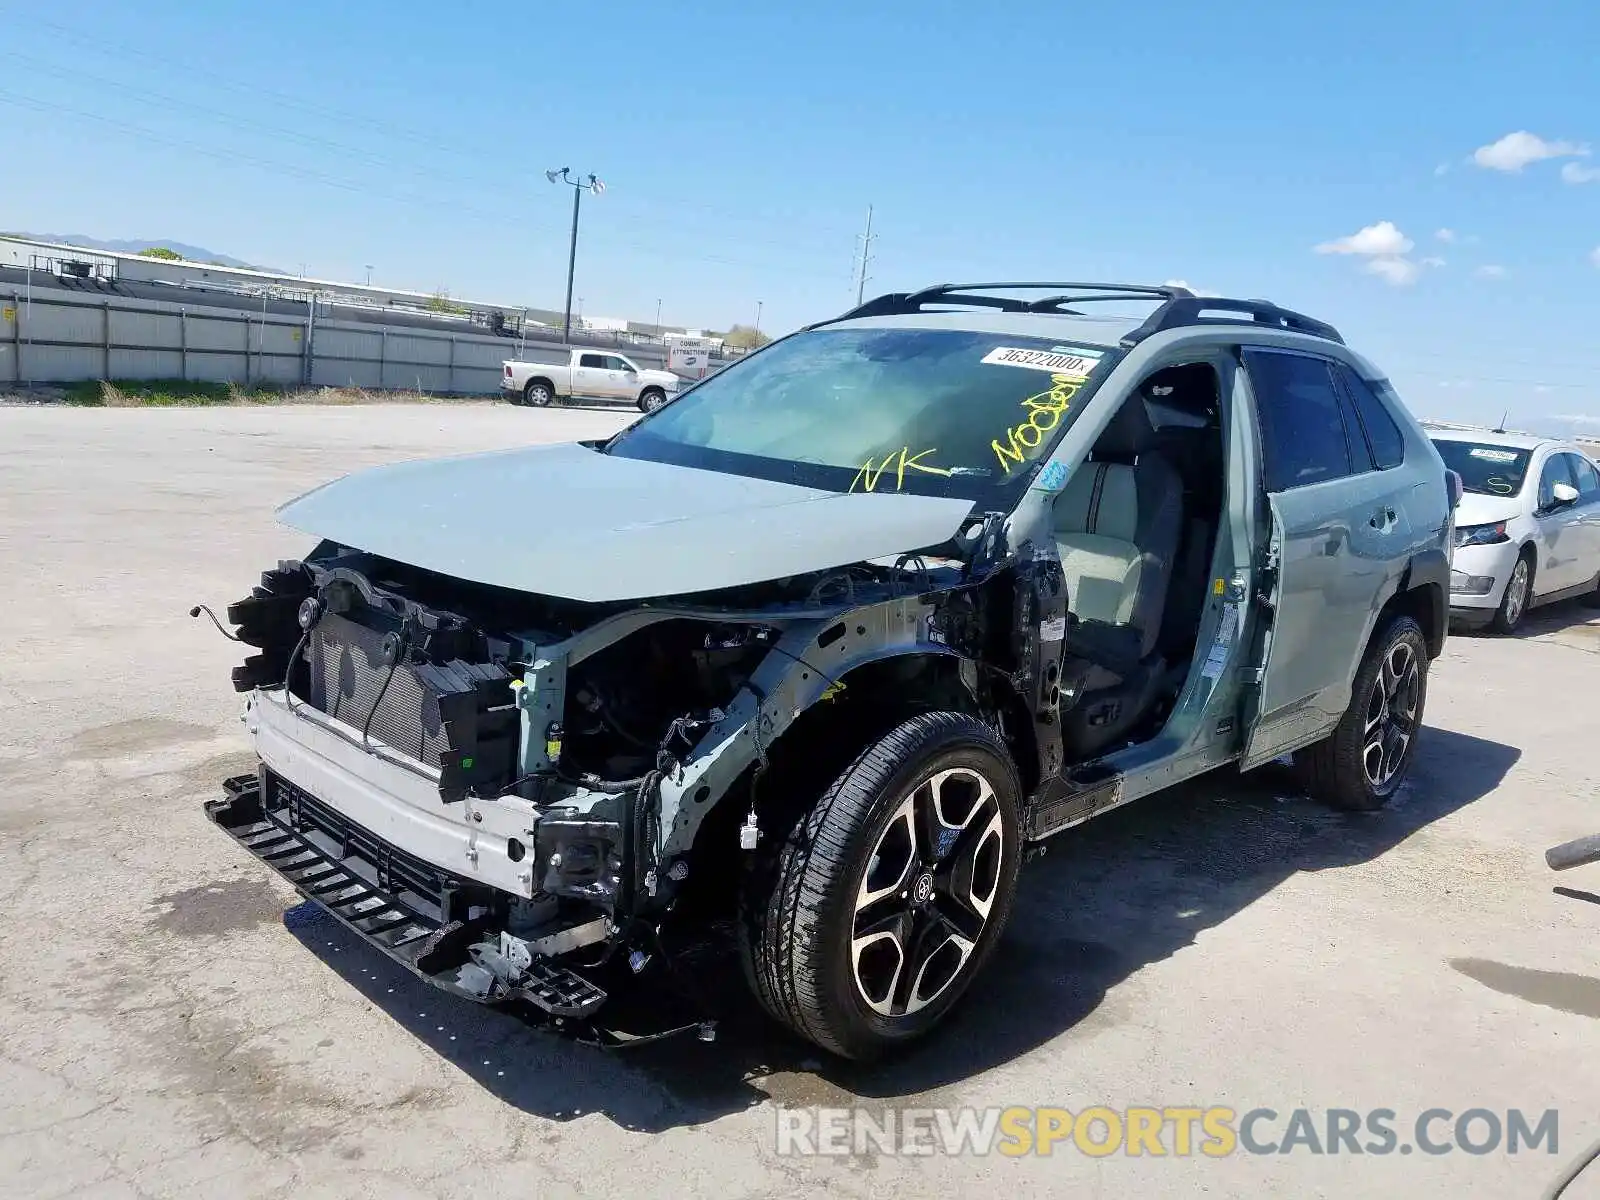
(818, 652)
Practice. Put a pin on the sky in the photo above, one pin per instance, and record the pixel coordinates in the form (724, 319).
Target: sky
(1424, 176)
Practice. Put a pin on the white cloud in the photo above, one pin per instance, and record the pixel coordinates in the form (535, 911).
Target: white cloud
(1490, 271)
(1397, 271)
(1578, 173)
(1594, 256)
(1383, 249)
(1381, 240)
(1445, 235)
(1441, 169)
(1516, 150)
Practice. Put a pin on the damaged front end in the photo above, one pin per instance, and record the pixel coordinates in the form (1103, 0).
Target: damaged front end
(510, 793)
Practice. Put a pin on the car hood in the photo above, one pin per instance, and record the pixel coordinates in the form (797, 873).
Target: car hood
(1476, 509)
(568, 521)
(651, 375)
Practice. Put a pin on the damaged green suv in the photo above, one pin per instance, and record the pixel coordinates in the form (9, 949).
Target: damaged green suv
(810, 657)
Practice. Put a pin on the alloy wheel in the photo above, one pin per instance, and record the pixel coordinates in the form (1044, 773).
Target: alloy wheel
(1391, 718)
(1517, 592)
(927, 892)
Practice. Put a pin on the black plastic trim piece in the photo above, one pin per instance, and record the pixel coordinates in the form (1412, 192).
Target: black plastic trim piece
(378, 892)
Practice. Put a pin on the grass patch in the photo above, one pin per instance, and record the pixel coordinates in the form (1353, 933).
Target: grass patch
(181, 393)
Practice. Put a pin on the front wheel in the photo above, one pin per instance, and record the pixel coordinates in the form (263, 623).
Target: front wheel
(1363, 762)
(651, 399)
(1514, 601)
(862, 928)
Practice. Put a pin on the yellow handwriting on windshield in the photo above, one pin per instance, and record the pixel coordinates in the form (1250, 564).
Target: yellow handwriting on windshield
(900, 461)
(1045, 411)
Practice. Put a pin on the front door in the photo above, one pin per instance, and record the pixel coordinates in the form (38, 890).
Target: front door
(1587, 477)
(1336, 532)
(1564, 560)
(619, 378)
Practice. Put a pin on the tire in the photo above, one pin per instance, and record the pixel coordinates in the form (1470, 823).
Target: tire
(1363, 762)
(1514, 601)
(651, 399)
(538, 394)
(807, 900)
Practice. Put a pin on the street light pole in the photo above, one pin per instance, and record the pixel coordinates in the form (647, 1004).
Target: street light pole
(579, 186)
(658, 318)
(758, 317)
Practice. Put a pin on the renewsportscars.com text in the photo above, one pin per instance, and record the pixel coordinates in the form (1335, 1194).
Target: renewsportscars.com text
(1167, 1131)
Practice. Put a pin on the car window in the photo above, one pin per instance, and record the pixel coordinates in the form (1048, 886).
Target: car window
(1303, 438)
(1586, 477)
(1555, 471)
(613, 363)
(946, 412)
(1383, 435)
(592, 360)
(1485, 469)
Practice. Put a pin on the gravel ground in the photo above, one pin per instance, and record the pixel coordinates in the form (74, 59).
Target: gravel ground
(168, 1029)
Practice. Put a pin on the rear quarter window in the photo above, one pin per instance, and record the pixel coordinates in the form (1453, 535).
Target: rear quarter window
(1383, 434)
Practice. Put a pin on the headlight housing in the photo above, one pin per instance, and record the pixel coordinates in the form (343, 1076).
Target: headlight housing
(1482, 535)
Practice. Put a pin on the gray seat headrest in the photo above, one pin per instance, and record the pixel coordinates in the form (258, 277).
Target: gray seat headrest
(1129, 434)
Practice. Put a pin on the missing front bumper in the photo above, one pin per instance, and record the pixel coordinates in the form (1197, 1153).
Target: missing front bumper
(414, 913)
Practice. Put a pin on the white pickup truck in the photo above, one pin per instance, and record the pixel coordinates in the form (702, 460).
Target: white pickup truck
(593, 374)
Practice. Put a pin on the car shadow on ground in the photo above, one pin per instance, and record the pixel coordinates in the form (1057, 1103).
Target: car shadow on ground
(1564, 616)
(1128, 889)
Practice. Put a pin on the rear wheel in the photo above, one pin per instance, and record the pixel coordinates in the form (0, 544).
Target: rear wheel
(1514, 603)
(866, 923)
(1361, 765)
(537, 394)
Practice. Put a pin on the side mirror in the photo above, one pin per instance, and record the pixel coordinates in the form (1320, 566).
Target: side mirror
(1564, 493)
(1455, 488)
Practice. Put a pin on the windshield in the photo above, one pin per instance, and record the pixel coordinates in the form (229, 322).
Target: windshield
(1485, 469)
(928, 411)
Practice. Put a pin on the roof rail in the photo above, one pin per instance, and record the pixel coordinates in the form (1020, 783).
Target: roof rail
(1179, 306)
(1190, 310)
(902, 303)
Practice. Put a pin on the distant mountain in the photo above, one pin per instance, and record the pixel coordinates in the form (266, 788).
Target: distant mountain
(135, 245)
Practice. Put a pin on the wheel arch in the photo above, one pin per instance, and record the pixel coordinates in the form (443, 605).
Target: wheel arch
(837, 715)
(1423, 594)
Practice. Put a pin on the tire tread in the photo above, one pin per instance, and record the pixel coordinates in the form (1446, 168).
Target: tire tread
(783, 906)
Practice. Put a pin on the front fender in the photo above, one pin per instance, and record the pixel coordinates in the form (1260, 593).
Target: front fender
(810, 660)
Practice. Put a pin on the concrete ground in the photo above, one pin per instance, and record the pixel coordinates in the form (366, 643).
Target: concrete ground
(166, 1029)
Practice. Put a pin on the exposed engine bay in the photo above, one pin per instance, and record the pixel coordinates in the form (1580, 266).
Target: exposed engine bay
(546, 766)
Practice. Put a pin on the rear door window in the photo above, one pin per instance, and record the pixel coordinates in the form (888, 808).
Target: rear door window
(593, 360)
(1303, 435)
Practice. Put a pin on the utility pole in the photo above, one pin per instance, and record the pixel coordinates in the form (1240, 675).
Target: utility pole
(369, 274)
(578, 186)
(658, 318)
(866, 255)
(758, 318)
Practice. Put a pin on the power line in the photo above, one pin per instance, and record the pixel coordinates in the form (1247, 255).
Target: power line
(453, 203)
(256, 92)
